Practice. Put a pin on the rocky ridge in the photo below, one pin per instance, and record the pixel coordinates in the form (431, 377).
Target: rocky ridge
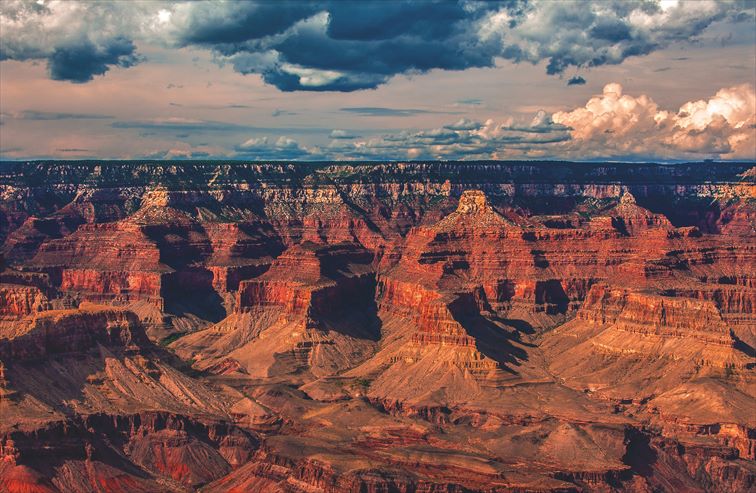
(377, 327)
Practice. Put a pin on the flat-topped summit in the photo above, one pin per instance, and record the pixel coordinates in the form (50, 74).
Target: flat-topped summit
(473, 202)
(473, 212)
(157, 196)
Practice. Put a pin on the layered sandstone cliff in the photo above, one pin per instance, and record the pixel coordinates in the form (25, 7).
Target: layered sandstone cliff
(377, 327)
(311, 312)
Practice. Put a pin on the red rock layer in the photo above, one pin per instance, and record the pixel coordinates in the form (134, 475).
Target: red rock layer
(311, 312)
(663, 316)
(555, 335)
(311, 281)
(18, 301)
(63, 331)
(145, 452)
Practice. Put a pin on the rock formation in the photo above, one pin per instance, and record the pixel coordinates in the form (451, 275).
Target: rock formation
(411, 327)
(312, 312)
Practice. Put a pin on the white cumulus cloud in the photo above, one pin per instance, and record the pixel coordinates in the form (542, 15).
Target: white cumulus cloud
(617, 124)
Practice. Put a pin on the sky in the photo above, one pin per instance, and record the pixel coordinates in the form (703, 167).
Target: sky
(663, 80)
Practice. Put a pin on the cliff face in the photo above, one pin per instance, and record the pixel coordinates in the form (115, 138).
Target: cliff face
(68, 331)
(312, 313)
(145, 452)
(17, 301)
(413, 327)
(87, 399)
(620, 328)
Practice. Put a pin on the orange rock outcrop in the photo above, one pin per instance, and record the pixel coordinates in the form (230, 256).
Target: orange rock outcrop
(336, 327)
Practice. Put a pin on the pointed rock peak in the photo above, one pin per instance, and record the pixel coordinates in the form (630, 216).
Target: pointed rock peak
(473, 202)
(627, 198)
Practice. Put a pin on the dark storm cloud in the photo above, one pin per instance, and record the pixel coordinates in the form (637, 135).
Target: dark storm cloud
(613, 30)
(349, 45)
(78, 40)
(81, 60)
(346, 46)
(341, 45)
(76, 60)
(219, 24)
(576, 81)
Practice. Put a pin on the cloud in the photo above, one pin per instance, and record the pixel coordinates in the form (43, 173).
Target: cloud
(179, 125)
(183, 127)
(46, 115)
(282, 148)
(542, 122)
(79, 40)
(590, 34)
(184, 150)
(347, 46)
(464, 139)
(464, 124)
(342, 134)
(470, 102)
(576, 81)
(614, 124)
(10, 150)
(81, 60)
(178, 153)
(279, 112)
(380, 111)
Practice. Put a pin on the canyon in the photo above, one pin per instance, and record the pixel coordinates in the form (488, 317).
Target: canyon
(417, 327)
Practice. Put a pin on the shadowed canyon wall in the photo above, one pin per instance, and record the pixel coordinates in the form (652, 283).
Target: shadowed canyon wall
(376, 327)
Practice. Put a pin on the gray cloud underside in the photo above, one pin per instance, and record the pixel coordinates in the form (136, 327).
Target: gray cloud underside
(343, 134)
(46, 115)
(345, 45)
(210, 126)
(470, 102)
(612, 125)
(464, 139)
(380, 111)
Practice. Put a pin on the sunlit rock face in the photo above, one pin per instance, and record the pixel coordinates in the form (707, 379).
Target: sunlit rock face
(413, 327)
